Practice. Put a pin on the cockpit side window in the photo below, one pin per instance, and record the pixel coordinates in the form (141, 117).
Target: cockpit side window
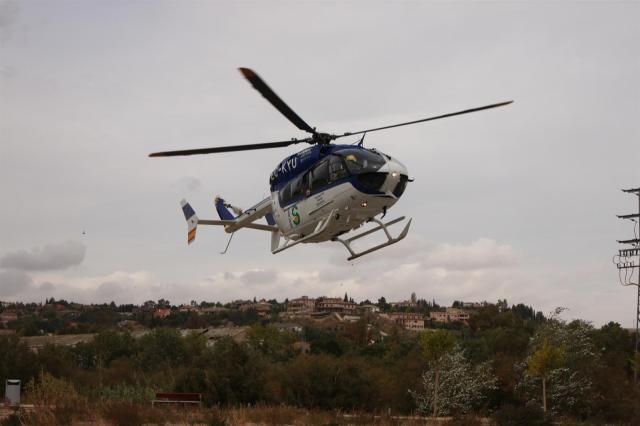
(337, 168)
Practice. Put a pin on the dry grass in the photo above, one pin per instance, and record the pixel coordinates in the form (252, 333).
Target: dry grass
(134, 414)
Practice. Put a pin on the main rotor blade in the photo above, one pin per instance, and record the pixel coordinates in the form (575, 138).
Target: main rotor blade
(266, 145)
(466, 111)
(274, 99)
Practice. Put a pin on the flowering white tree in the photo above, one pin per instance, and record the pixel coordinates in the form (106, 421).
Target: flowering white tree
(462, 387)
(569, 387)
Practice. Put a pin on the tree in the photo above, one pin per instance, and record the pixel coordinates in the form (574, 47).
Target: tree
(275, 344)
(161, 348)
(542, 362)
(435, 345)
(463, 386)
(569, 386)
(382, 304)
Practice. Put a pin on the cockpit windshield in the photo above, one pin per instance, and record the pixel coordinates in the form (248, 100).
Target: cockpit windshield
(361, 160)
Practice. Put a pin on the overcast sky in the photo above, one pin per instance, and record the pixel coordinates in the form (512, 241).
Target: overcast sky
(516, 202)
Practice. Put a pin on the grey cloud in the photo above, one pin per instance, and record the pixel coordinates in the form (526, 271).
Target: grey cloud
(13, 282)
(8, 15)
(46, 286)
(259, 277)
(189, 183)
(480, 254)
(49, 257)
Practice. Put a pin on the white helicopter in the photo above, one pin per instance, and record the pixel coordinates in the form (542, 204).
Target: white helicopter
(318, 194)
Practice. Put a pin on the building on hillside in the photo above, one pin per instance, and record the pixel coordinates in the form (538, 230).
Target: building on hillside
(335, 304)
(291, 327)
(371, 309)
(404, 304)
(474, 305)
(263, 308)
(188, 308)
(8, 316)
(238, 334)
(450, 315)
(350, 318)
(408, 320)
(302, 304)
(35, 343)
(236, 304)
(212, 310)
(161, 312)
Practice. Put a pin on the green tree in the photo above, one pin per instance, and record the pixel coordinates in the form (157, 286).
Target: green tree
(435, 345)
(275, 344)
(542, 362)
(162, 347)
(111, 344)
(570, 389)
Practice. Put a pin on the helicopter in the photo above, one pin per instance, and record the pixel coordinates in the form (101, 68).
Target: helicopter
(321, 193)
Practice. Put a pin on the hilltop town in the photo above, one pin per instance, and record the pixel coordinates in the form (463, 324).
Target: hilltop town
(67, 323)
(117, 363)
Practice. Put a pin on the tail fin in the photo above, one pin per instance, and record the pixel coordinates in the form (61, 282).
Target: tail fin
(222, 210)
(192, 220)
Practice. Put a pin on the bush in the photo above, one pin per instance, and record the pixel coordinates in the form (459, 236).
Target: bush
(56, 401)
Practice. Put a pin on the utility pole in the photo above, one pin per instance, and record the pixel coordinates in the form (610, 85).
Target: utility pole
(628, 261)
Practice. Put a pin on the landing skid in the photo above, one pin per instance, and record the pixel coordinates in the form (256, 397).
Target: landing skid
(381, 226)
(322, 226)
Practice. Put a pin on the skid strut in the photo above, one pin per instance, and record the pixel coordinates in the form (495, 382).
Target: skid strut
(322, 225)
(381, 226)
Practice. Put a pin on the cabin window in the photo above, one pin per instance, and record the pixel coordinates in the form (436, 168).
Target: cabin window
(299, 186)
(320, 176)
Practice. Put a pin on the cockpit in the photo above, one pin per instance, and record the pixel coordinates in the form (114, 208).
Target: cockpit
(361, 160)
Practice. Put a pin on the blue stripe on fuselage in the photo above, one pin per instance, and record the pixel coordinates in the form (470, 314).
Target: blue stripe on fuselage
(298, 163)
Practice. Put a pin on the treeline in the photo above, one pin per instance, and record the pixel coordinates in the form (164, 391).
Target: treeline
(495, 366)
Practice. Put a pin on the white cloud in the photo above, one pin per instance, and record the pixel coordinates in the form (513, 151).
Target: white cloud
(49, 257)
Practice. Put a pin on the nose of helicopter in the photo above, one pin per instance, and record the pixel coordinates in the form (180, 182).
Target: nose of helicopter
(397, 177)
